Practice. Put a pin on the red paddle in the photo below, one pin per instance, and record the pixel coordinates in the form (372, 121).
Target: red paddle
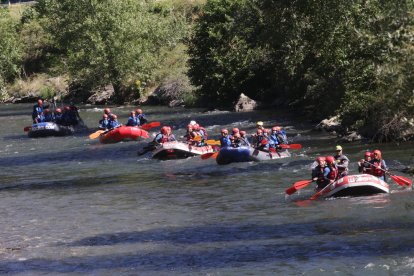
(150, 125)
(400, 180)
(297, 186)
(290, 146)
(209, 155)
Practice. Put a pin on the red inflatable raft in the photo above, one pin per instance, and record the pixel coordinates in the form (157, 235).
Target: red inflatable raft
(122, 133)
(356, 185)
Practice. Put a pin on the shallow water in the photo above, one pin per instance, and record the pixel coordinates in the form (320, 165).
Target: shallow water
(71, 205)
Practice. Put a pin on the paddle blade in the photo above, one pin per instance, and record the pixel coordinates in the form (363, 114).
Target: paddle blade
(96, 134)
(213, 142)
(150, 125)
(209, 155)
(291, 146)
(297, 186)
(401, 180)
(28, 128)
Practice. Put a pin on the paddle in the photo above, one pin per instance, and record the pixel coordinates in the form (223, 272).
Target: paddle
(150, 125)
(28, 128)
(400, 180)
(209, 155)
(96, 134)
(290, 146)
(316, 195)
(297, 186)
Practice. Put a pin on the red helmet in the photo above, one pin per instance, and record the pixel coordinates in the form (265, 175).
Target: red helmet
(235, 130)
(378, 153)
(224, 131)
(107, 111)
(236, 135)
(368, 154)
(197, 127)
(114, 117)
(40, 102)
(164, 130)
(330, 159)
(276, 128)
(259, 131)
(67, 107)
(105, 116)
(320, 158)
(242, 132)
(138, 110)
(47, 110)
(58, 110)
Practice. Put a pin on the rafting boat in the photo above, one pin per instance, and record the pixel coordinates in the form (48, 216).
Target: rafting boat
(49, 129)
(178, 150)
(356, 185)
(228, 155)
(122, 133)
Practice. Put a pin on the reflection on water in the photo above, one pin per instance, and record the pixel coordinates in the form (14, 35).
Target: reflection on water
(71, 204)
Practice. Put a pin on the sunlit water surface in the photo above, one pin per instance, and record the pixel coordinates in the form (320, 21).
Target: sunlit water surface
(70, 205)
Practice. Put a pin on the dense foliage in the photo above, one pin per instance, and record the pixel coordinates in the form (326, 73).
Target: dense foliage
(352, 58)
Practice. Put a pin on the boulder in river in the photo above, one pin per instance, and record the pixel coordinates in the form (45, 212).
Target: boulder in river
(245, 104)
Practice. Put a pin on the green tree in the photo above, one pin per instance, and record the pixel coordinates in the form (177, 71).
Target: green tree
(110, 41)
(10, 50)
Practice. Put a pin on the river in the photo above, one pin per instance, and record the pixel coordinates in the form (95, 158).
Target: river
(72, 206)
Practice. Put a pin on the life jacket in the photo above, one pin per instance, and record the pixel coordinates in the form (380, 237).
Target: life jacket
(333, 174)
(321, 177)
(273, 141)
(281, 137)
(377, 168)
(203, 132)
(225, 141)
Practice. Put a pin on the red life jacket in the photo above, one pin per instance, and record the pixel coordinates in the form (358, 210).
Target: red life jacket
(164, 139)
(333, 173)
(321, 178)
(376, 169)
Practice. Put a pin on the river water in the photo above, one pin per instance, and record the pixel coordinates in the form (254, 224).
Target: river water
(70, 205)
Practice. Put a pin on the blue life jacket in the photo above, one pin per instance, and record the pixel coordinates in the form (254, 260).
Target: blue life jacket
(114, 124)
(37, 111)
(132, 121)
(225, 141)
(273, 140)
(49, 117)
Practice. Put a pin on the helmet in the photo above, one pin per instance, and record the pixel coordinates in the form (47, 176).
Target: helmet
(47, 110)
(224, 131)
(235, 130)
(236, 135)
(276, 128)
(196, 126)
(107, 111)
(259, 123)
(338, 148)
(164, 130)
(259, 131)
(138, 110)
(242, 132)
(378, 152)
(58, 110)
(40, 102)
(105, 116)
(330, 159)
(193, 122)
(368, 154)
(67, 108)
(320, 158)
(114, 117)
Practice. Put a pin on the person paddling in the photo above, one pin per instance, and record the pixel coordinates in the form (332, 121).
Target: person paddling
(379, 168)
(341, 162)
(133, 120)
(364, 165)
(320, 173)
(225, 139)
(37, 114)
(142, 119)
